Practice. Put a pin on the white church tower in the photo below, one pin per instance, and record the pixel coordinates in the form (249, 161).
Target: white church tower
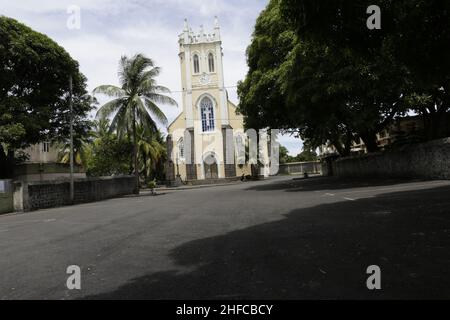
(201, 139)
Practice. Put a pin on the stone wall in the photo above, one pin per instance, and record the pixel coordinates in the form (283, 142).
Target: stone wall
(429, 160)
(30, 196)
(300, 167)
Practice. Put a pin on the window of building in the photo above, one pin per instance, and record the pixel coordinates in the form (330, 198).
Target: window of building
(196, 64)
(46, 147)
(207, 113)
(211, 62)
(181, 148)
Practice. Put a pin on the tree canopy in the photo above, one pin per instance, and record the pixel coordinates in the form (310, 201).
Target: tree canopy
(315, 67)
(34, 90)
(136, 102)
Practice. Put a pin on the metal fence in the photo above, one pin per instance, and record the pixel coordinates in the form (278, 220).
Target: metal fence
(301, 167)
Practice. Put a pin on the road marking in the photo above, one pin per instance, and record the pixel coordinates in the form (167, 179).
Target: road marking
(401, 187)
(50, 220)
(350, 199)
(330, 194)
(381, 213)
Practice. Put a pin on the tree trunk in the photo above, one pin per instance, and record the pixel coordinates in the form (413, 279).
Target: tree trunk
(135, 159)
(370, 140)
(6, 163)
(338, 146)
(144, 158)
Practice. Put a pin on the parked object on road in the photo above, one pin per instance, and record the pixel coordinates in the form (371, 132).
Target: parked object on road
(152, 186)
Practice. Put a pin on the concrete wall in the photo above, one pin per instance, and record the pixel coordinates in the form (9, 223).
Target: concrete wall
(38, 154)
(6, 197)
(300, 167)
(30, 196)
(428, 160)
(46, 172)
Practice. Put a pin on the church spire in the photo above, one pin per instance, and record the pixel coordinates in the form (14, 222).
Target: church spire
(216, 28)
(216, 23)
(189, 37)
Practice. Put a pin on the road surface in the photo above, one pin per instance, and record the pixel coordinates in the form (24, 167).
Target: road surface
(275, 239)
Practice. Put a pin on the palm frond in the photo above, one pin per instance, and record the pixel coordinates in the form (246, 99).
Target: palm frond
(109, 108)
(152, 73)
(153, 109)
(110, 90)
(160, 98)
(121, 122)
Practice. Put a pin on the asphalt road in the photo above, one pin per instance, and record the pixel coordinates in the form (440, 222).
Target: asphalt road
(276, 239)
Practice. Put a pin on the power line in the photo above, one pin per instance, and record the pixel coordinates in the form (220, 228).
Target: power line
(185, 90)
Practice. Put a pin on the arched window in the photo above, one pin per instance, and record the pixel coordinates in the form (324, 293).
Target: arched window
(211, 62)
(181, 148)
(196, 64)
(207, 113)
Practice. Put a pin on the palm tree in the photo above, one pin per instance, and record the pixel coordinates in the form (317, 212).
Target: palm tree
(136, 101)
(151, 151)
(80, 151)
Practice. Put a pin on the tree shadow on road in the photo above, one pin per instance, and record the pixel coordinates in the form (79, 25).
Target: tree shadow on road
(328, 183)
(317, 253)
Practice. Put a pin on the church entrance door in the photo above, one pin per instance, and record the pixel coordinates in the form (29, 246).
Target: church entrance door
(211, 168)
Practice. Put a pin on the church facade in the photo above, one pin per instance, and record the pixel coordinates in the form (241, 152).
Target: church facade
(201, 140)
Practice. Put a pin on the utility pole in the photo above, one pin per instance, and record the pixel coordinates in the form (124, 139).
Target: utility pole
(72, 186)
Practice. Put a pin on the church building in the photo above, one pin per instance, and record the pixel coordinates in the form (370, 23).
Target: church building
(201, 140)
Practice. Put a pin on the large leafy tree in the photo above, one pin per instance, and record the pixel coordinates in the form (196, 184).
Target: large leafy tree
(337, 81)
(34, 90)
(261, 100)
(414, 39)
(340, 95)
(135, 101)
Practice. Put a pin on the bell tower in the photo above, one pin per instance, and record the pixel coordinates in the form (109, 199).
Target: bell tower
(201, 59)
(205, 101)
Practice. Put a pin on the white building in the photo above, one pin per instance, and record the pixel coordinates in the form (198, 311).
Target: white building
(203, 137)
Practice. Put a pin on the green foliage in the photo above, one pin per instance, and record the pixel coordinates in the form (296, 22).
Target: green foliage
(108, 154)
(135, 103)
(261, 99)
(336, 81)
(307, 155)
(152, 184)
(284, 155)
(34, 90)
(152, 153)
(11, 133)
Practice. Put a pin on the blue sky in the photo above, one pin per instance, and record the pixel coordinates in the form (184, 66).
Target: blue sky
(112, 28)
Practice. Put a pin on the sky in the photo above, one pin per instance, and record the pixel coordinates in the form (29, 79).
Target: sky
(109, 29)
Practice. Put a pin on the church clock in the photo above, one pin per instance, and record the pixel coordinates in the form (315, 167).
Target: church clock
(204, 79)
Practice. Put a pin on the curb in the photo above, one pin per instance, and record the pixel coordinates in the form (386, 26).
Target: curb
(197, 187)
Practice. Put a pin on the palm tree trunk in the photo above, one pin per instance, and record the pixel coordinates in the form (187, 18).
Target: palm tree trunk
(144, 158)
(136, 169)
